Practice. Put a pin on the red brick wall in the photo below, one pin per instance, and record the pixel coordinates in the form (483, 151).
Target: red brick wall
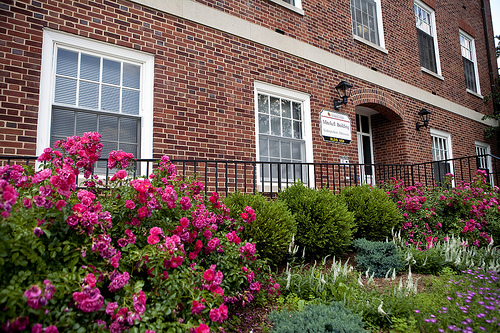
(327, 25)
(203, 95)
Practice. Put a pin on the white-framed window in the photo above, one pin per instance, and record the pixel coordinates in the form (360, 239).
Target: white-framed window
(468, 50)
(441, 154)
(427, 39)
(367, 24)
(483, 160)
(90, 86)
(296, 3)
(293, 5)
(283, 128)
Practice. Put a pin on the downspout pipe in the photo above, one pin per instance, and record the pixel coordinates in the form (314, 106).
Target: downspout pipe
(488, 54)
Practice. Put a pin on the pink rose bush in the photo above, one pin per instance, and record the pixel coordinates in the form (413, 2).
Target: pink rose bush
(469, 210)
(76, 251)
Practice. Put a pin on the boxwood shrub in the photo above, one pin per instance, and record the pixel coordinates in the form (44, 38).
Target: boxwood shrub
(374, 212)
(324, 225)
(273, 228)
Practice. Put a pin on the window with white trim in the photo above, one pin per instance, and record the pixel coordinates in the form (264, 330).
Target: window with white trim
(483, 159)
(427, 40)
(441, 154)
(283, 126)
(95, 87)
(367, 21)
(296, 3)
(468, 51)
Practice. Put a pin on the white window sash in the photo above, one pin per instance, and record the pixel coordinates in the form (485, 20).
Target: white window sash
(53, 39)
(272, 90)
(473, 58)
(433, 33)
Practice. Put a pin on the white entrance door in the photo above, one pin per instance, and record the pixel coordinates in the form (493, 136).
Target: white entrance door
(365, 149)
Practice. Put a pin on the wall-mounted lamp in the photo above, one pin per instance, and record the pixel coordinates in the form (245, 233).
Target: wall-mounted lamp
(344, 91)
(425, 116)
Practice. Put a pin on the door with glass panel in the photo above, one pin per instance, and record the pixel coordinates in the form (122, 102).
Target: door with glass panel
(365, 149)
(281, 140)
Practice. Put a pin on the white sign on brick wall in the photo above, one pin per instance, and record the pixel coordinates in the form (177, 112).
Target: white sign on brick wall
(335, 127)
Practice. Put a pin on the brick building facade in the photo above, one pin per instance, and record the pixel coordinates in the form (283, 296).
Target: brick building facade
(247, 80)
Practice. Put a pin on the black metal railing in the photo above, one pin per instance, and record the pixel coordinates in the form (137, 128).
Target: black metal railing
(226, 177)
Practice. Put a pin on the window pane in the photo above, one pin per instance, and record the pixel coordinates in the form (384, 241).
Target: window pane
(90, 67)
(286, 109)
(131, 76)
(111, 72)
(365, 124)
(367, 153)
(285, 150)
(287, 128)
(264, 151)
(274, 148)
(89, 95)
(110, 99)
(297, 111)
(275, 106)
(65, 91)
(85, 122)
(63, 123)
(276, 126)
(128, 148)
(128, 130)
(297, 130)
(67, 63)
(108, 127)
(263, 124)
(130, 102)
(470, 74)
(263, 103)
(297, 151)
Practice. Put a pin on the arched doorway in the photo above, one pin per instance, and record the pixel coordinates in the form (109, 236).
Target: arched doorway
(381, 138)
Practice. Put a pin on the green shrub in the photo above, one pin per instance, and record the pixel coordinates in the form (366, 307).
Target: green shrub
(430, 261)
(379, 257)
(317, 319)
(324, 225)
(273, 228)
(375, 214)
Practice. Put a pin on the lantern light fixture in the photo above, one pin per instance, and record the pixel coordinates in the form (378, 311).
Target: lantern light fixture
(344, 91)
(424, 116)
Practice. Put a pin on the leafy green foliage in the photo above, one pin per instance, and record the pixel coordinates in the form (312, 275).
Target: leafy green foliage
(324, 225)
(273, 228)
(317, 319)
(377, 257)
(468, 210)
(139, 254)
(375, 214)
(429, 261)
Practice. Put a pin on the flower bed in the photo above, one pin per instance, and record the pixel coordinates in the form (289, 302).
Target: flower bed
(145, 254)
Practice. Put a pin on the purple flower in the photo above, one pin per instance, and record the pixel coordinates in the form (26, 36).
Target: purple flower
(118, 282)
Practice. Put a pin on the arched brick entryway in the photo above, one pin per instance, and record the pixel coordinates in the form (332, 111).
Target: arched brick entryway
(390, 142)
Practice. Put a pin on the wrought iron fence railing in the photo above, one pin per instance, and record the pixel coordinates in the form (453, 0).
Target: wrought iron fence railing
(226, 177)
